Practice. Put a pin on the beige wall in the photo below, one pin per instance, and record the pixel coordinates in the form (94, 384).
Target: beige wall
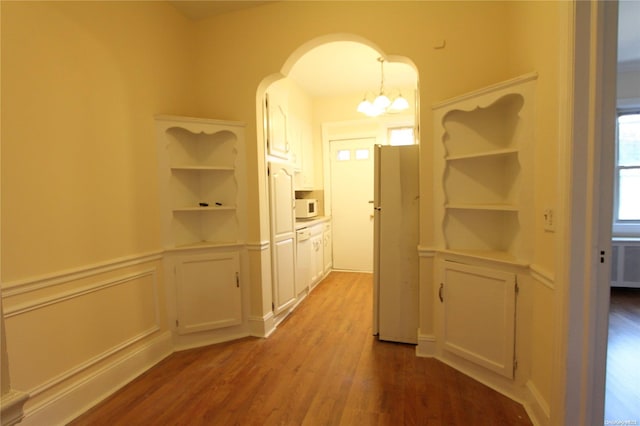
(81, 82)
(535, 29)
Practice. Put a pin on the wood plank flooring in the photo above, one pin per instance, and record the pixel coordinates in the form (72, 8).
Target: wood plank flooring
(322, 366)
(622, 401)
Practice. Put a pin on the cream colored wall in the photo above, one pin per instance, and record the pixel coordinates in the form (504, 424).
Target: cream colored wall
(81, 82)
(81, 264)
(535, 28)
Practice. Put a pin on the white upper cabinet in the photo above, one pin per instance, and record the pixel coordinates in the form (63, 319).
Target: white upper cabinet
(277, 125)
(288, 125)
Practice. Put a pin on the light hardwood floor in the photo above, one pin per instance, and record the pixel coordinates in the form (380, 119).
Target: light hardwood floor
(322, 366)
(622, 401)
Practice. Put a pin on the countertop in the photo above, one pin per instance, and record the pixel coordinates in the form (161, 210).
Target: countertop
(305, 223)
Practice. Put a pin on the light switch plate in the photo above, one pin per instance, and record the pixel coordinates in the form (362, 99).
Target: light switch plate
(549, 220)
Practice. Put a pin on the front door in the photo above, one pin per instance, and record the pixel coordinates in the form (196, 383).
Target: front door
(351, 202)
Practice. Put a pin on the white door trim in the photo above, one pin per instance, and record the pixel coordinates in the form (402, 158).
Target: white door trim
(582, 308)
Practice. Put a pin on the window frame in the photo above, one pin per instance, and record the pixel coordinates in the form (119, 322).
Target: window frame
(622, 227)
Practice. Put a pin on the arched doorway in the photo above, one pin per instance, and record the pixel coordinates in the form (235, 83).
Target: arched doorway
(323, 81)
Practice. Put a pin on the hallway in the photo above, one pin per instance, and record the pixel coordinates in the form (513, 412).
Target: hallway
(322, 366)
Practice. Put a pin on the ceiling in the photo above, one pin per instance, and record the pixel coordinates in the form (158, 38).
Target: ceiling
(194, 9)
(347, 67)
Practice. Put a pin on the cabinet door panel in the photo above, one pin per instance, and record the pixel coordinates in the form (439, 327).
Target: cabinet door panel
(282, 235)
(208, 292)
(479, 315)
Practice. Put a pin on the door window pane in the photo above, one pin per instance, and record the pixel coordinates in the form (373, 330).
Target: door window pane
(343, 155)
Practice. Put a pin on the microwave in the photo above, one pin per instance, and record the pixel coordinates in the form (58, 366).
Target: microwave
(306, 208)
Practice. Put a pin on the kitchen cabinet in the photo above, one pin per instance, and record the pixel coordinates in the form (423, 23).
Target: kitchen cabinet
(283, 235)
(477, 315)
(304, 156)
(277, 124)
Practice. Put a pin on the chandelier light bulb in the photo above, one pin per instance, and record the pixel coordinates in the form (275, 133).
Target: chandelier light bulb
(399, 104)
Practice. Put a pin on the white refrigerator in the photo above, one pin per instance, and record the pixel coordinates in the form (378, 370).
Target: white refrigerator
(396, 228)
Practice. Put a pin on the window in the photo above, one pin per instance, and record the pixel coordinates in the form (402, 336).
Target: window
(627, 178)
(401, 136)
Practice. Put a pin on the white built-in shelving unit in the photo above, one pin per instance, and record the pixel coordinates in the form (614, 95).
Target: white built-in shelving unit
(484, 190)
(202, 188)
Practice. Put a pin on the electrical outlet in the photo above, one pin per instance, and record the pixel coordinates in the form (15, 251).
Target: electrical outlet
(549, 220)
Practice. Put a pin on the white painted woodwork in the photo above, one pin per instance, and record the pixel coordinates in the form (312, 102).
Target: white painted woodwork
(200, 161)
(208, 292)
(352, 208)
(283, 235)
(278, 144)
(484, 204)
(202, 183)
(302, 144)
(478, 315)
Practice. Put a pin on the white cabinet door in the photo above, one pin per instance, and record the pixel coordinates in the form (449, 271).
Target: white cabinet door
(277, 126)
(478, 319)
(208, 292)
(283, 235)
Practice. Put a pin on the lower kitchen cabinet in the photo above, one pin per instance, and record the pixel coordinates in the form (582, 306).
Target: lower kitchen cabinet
(207, 289)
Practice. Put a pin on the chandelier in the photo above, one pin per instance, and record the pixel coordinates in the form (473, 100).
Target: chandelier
(382, 104)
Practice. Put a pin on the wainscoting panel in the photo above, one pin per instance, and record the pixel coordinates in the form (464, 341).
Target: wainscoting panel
(60, 333)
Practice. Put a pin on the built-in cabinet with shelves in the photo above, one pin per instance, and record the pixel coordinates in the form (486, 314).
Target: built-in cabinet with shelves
(202, 204)
(484, 179)
(484, 223)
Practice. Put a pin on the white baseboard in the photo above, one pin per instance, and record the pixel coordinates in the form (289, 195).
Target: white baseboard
(262, 326)
(426, 347)
(75, 399)
(537, 408)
